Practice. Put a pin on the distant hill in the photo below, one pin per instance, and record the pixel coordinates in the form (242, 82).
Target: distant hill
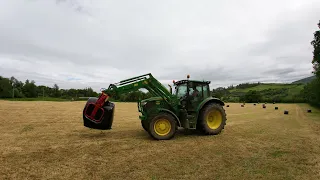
(269, 92)
(304, 80)
(265, 86)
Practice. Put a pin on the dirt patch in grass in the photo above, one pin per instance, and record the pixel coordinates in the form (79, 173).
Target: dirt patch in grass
(47, 140)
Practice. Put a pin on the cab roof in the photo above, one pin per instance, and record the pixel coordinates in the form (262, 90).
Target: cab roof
(196, 81)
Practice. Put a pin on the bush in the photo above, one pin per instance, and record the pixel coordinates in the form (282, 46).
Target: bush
(311, 93)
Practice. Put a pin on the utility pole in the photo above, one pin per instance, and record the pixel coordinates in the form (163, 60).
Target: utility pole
(43, 93)
(12, 90)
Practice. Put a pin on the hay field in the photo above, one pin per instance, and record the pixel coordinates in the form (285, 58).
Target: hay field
(46, 140)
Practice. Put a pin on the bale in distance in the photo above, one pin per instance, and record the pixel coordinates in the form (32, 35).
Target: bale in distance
(286, 112)
(242, 105)
(309, 110)
(264, 106)
(227, 105)
(275, 108)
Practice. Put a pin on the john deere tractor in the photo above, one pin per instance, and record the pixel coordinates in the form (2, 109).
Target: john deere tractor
(190, 106)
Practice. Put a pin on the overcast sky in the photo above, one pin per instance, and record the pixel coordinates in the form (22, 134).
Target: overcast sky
(92, 43)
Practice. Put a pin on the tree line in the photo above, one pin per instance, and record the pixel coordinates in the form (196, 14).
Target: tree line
(280, 95)
(13, 88)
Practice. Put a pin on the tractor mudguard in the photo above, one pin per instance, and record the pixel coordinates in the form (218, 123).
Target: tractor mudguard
(170, 112)
(103, 117)
(209, 100)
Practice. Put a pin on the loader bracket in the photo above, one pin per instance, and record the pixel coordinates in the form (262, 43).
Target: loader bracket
(98, 113)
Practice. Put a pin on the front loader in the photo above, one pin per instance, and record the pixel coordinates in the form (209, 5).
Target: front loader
(190, 106)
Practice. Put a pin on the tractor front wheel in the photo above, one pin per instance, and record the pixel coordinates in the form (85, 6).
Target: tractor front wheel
(162, 126)
(144, 124)
(212, 119)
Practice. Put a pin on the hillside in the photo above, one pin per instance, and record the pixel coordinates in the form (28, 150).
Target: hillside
(266, 86)
(305, 80)
(264, 92)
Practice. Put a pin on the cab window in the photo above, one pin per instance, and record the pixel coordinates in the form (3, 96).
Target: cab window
(181, 90)
(198, 88)
(205, 91)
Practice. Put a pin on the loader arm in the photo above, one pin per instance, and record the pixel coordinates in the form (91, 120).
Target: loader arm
(146, 81)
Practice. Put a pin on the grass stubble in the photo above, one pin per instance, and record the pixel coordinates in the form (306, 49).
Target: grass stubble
(47, 140)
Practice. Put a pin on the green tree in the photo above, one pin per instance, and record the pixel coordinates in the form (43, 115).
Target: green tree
(220, 92)
(56, 92)
(252, 96)
(316, 52)
(5, 88)
(29, 89)
(311, 91)
(17, 85)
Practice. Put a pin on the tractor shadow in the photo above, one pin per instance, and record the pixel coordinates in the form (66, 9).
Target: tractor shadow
(188, 132)
(137, 134)
(180, 134)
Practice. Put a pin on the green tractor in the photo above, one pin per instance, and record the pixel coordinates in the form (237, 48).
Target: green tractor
(190, 106)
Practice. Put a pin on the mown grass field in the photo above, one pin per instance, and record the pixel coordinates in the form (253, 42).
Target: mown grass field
(47, 140)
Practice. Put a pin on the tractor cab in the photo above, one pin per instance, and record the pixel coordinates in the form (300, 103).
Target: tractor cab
(191, 93)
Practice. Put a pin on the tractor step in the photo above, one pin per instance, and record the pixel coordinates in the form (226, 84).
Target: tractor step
(191, 124)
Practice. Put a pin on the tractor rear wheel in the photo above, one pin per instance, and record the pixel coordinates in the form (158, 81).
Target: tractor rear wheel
(162, 126)
(212, 119)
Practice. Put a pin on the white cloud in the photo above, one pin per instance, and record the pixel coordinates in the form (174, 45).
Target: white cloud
(93, 43)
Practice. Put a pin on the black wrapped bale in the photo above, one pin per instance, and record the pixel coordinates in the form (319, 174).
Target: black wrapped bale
(309, 110)
(104, 114)
(286, 112)
(276, 108)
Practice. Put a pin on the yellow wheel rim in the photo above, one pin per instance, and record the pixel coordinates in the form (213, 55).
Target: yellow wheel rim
(162, 127)
(214, 119)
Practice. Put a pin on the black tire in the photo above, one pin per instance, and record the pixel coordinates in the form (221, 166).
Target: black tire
(221, 116)
(144, 124)
(171, 126)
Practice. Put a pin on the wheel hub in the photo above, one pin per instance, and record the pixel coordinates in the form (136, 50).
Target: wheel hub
(214, 119)
(162, 127)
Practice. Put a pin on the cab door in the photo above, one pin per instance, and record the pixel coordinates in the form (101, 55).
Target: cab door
(195, 96)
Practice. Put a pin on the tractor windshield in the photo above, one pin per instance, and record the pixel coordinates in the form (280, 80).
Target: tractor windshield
(181, 90)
